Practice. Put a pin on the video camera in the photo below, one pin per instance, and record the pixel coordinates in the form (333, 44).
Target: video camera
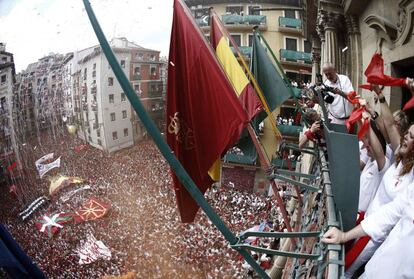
(323, 89)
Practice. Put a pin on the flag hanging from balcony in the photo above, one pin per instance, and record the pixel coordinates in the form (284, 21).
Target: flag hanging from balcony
(232, 68)
(204, 116)
(275, 89)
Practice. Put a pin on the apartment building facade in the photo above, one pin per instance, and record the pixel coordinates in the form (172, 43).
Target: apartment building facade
(103, 115)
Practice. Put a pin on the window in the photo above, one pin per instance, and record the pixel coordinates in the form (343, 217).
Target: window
(250, 40)
(93, 73)
(98, 133)
(153, 88)
(152, 57)
(113, 116)
(85, 72)
(99, 142)
(125, 132)
(140, 56)
(137, 89)
(237, 39)
(238, 10)
(110, 81)
(114, 135)
(94, 66)
(153, 71)
(123, 97)
(291, 44)
(90, 138)
(137, 70)
(124, 114)
(123, 63)
(111, 98)
(252, 10)
(307, 46)
(3, 79)
(290, 13)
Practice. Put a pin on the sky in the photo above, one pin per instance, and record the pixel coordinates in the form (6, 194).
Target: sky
(32, 29)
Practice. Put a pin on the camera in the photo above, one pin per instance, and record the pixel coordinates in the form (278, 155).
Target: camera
(323, 89)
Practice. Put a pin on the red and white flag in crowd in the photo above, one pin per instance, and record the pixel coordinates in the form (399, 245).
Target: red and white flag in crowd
(91, 210)
(92, 250)
(43, 167)
(51, 225)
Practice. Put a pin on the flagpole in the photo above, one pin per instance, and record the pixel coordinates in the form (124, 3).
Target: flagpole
(165, 150)
(266, 166)
(252, 79)
(264, 160)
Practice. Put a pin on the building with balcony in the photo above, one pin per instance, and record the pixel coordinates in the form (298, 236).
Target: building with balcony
(9, 151)
(102, 113)
(281, 25)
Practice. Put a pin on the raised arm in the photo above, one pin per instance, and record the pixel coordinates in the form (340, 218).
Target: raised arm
(392, 131)
(376, 147)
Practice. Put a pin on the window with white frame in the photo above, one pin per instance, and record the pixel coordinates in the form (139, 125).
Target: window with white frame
(114, 135)
(113, 116)
(291, 44)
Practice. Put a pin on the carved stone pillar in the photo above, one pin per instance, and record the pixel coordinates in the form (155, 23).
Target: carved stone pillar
(316, 58)
(320, 29)
(331, 39)
(355, 51)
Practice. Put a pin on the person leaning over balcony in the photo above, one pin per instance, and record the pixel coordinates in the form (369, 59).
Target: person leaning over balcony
(314, 132)
(393, 223)
(398, 176)
(340, 108)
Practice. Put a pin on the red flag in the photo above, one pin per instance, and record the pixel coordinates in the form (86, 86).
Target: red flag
(375, 73)
(91, 210)
(204, 116)
(12, 166)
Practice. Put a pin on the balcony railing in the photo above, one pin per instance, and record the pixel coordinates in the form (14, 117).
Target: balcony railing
(247, 19)
(295, 56)
(136, 77)
(202, 22)
(290, 130)
(290, 22)
(245, 50)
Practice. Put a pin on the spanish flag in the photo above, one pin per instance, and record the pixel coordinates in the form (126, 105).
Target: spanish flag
(244, 90)
(204, 116)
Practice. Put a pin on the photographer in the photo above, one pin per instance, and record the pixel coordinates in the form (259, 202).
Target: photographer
(339, 107)
(315, 132)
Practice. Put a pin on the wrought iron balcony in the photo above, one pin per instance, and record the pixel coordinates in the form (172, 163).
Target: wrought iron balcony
(245, 50)
(136, 77)
(290, 22)
(295, 56)
(247, 19)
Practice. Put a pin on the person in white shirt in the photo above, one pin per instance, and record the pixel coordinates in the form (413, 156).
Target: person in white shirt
(340, 109)
(374, 169)
(393, 222)
(398, 176)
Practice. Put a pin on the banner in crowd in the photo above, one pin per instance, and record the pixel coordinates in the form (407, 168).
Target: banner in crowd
(92, 250)
(44, 168)
(204, 115)
(59, 182)
(32, 207)
(91, 210)
(51, 225)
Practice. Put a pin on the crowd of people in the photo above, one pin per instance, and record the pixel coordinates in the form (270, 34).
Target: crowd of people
(142, 228)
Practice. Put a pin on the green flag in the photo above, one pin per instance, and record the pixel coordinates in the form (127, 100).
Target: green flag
(275, 89)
